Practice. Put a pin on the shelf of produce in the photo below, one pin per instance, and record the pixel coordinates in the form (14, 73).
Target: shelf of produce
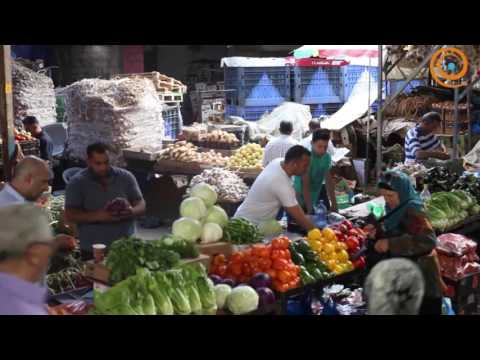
(467, 226)
(173, 167)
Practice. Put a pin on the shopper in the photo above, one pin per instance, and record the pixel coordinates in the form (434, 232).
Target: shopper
(395, 287)
(421, 143)
(407, 233)
(307, 141)
(89, 193)
(29, 182)
(32, 125)
(26, 245)
(273, 189)
(278, 147)
(309, 185)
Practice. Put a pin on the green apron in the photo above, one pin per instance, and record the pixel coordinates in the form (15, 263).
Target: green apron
(319, 166)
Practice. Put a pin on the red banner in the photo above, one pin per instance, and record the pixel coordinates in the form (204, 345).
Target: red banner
(315, 62)
(133, 60)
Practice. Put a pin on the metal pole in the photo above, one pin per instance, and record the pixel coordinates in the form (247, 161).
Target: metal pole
(6, 110)
(469, 119)
(379, 111)
(368, 114)
(455, 122)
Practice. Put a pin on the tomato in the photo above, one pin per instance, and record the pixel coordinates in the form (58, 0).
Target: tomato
(272, 273)
(293, 284)
(219, 259)
(236, 257)
(359, 263)
(284, 276)
(348, 224)
(286, 254)
(246, 269)
(265, 264)
(276, 254)
(222, 270)
(237, 269)
(280, 264)
(352, 243)
(283, 288)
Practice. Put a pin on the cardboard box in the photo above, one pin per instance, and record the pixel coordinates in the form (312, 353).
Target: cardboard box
(216, 248)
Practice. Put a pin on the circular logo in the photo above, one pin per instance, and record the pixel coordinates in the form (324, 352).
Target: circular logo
(449, 67)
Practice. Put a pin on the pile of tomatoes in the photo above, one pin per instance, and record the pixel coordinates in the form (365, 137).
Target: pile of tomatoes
(353, 238)
(273, 259)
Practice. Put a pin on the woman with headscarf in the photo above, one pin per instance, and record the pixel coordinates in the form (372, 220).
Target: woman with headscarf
(395, 287)
(407, 233)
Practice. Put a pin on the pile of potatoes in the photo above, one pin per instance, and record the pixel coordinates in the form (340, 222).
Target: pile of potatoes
(187, 152)
(222, 137)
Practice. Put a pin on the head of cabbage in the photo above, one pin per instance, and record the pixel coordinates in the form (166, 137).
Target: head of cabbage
(242, 300)
(193, 208)
(221, 293)
(211, 233)
(217, 215)
(204, 192)
(187, 229)
(270, 227)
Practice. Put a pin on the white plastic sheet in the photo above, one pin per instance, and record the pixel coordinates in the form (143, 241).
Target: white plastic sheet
(239, 61)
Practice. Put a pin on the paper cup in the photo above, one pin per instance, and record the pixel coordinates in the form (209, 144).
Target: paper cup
(99, 252)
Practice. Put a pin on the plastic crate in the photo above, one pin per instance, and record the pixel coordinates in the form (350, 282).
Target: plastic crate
(352, 74)
(317, 85)
(318, 110)
(173, 122)
(250, 113)
(257, 86)
(395, 85)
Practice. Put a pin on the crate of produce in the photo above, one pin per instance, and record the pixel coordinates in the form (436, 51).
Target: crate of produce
(317, 85)
(258, 86)
(318, 110)
(173, 122)
(249, 113)
(30, 147)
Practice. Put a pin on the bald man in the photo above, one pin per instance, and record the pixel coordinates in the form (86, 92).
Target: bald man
(29, 182)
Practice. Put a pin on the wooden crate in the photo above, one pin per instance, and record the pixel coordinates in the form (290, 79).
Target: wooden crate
(216, 248)
(179, 167)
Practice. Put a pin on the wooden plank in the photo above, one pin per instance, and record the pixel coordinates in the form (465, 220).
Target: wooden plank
(6, 111)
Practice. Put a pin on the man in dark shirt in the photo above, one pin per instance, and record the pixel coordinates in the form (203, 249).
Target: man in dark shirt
(32, 125)
(90, 191)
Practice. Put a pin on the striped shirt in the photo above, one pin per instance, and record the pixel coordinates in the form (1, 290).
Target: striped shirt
(277, 148)
(414, 141)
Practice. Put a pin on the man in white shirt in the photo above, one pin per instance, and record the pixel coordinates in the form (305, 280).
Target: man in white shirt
(278, 147)
(30, 181)
(273, 189)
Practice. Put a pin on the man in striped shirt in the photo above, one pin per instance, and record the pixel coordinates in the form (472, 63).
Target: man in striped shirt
(421, 143)
(278, 147)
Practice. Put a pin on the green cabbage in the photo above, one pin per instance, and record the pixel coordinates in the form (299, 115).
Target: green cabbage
(242, 300)
(217, 215)
(211, 233)
(193, 208)
(204, 192)
(187, 229)
(221, 293)
(270, 227)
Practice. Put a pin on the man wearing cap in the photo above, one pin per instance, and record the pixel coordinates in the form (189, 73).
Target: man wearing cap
(25, 249)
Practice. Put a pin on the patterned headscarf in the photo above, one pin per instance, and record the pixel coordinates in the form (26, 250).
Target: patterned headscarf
(395, 287)
(409, 198)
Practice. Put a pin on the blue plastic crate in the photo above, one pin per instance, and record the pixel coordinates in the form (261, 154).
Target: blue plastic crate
(352, 74)
(250, 113)
(173, 122)
(395, 85)
(258, 86)
(316, 85)
(318, 110)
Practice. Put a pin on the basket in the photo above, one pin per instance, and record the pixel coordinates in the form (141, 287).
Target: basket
(31, 147)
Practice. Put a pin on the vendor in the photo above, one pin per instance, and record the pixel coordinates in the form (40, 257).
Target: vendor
(309, 185)
(26, 245)
(273, 190)
(278, 147)
(421, 143)
(32, 125)
(407, 233)
(91, 190)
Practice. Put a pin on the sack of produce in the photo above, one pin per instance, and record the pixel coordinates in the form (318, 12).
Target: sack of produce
(33, 95)
(125, 113)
